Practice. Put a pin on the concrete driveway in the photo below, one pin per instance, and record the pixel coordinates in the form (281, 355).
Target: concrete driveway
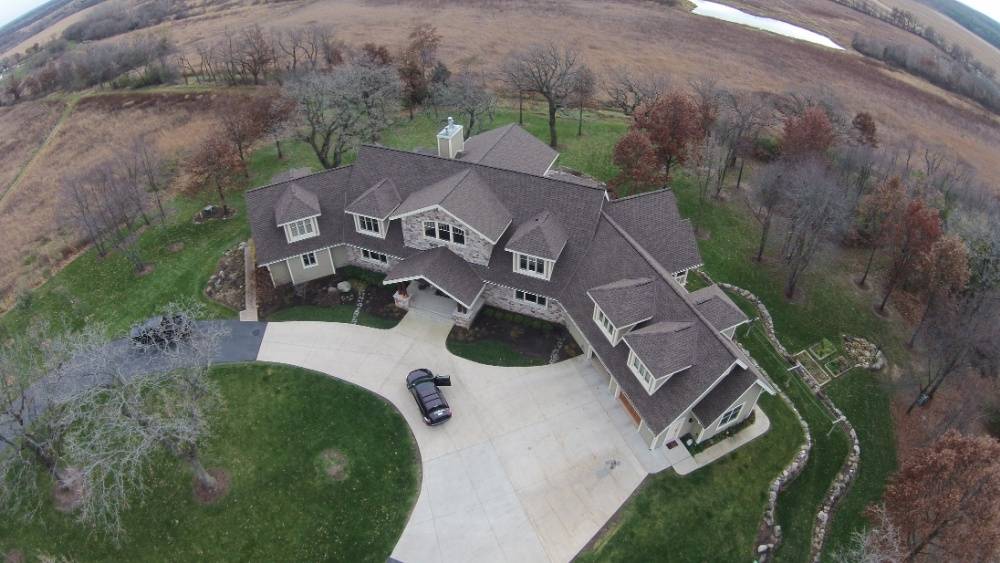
(533, 463)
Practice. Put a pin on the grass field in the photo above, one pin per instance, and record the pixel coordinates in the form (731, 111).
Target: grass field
(281, 505)
(492, 352)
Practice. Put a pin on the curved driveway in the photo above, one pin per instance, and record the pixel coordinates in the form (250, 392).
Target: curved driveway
(533, 463)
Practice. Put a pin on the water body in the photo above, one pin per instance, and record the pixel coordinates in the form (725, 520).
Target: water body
(730, 14)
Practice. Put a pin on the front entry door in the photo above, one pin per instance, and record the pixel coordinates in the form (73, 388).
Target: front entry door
(623, 398)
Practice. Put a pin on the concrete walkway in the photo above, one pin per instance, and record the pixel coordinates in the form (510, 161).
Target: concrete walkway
(724, 447)
(532, 465)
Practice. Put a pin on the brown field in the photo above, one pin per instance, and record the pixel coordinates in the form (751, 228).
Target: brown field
(23, 129)
(36, 236)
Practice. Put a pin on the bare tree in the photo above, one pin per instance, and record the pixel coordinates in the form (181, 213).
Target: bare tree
(879, 543)
(141, 402)
(582, 94)
(746, 114)
(466, 93)
(628, 89)
(776, 182)
(550, 71)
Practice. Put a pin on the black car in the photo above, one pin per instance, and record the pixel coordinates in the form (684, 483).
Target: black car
(161, 331)
(424, 386)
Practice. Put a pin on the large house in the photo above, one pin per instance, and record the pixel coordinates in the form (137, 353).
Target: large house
(488, 221)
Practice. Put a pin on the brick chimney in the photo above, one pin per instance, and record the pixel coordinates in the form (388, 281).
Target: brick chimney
(450, 140)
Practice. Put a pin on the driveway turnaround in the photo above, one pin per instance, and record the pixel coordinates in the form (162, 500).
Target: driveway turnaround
(530, 467)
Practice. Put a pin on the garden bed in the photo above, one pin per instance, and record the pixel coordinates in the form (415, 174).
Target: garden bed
(321, 300)
(226, 286)
(813, 368)
(503, 338)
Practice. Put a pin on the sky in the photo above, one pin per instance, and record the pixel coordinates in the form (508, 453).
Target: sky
(10, 9)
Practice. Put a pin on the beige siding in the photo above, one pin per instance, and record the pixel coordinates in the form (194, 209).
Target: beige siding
(279, 274)
(301, 274)
(576, 333)
(476, 249)
(748, 398)
(340, 256)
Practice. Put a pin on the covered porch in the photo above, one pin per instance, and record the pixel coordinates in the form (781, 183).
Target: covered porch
(439, 282)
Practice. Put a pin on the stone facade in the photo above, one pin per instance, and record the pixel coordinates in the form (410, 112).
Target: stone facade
(477, 249)
(503, 297)
(353, 256)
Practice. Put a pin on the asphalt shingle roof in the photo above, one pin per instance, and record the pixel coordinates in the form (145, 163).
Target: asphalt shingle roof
(665, 347)
(625, 302)
(717, 307)
(653, 220)
(509, 147)
(541, 236)
(724, 395)
(466, 196)
(295, 203)
(443, 268)
(378, 201)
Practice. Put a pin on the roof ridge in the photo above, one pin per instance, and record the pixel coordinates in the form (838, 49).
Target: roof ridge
(509, 127)
(273, 184)
(672, 283)
(640, 194)
(468, 163)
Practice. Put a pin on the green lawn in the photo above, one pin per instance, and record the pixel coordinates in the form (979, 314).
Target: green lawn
(338, 314)
(709, 515)
(493, 353)
(281, 506)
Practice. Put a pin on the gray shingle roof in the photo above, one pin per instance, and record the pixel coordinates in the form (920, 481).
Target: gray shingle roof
(466, 196)
(541, 236)
(509, 147)
(665, 347)
(717, 307)
(443, 268)
(723, 395)
(295, 203)
(626, 302)
(378, 201)
(653, 220)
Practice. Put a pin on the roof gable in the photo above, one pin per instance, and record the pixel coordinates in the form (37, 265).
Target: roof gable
(626, 302)
(467, 197)
(294, 204)
(378, 201)
(509, 147)
(443, 268)
(540, 236)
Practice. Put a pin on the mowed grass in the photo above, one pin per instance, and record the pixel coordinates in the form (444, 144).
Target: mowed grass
(493, 352)
(709, 515)
(281, 505)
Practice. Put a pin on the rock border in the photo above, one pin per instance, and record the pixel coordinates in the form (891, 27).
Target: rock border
(769, 532)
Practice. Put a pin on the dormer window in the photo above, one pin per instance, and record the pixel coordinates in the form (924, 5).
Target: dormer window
(444, 231)
(369, 226)
(606, 326)
(301, 230)
(640, 370)
(532, 266)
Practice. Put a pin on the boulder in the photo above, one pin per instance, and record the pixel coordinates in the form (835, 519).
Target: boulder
(344, 287)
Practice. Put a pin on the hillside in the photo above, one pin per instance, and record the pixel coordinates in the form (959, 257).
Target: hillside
(970, 19)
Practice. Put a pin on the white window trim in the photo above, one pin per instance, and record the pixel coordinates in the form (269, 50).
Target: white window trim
(371, 256)
(547, 264)
(531, 303)
(451, 232)
(288, 229)
(315, 261)
(724, 423)
(615, 335)
(465, 225)
(358, 220)
(648, 384)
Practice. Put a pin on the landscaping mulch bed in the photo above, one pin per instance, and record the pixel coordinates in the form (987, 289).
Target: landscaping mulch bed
(324, 293)
(226, 284)
(528, 336)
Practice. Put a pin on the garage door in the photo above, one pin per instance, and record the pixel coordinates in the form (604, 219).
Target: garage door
(623, 399)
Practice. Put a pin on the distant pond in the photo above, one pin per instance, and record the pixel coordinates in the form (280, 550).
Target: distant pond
(730, 14)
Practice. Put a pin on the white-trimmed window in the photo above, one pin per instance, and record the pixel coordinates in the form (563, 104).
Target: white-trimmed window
(300, 230)
(444, 231)
(731, 415)
(368, 225)
(374, 256)
(532, 298)
(532, 266)
(641, 370)
(605, 323)
(309, 260)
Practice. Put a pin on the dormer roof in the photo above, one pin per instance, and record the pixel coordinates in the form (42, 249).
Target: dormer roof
(378, 201)
(717, 307)
(665, 347)
(468, 197)
(626, 302)
(294, 204)
(540, 236)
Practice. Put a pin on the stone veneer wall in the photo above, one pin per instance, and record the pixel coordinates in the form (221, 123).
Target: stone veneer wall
(355, 258)
(503, 297)
(476, 248)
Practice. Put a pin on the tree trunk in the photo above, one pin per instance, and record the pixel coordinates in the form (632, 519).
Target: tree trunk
(222, 198)
(868, 266)
(890, 287)
(520, 108)
(793, 280)
(579, 123)
(739, 177)
(553, 138)
(764, 229)
(204, 478)
(923, 319)
(277, 145)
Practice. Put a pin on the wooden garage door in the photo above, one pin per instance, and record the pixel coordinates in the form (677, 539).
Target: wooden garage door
(623, 398)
